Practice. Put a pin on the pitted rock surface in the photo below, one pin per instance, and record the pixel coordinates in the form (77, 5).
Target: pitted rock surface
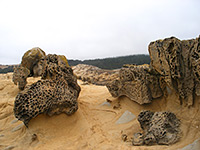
(20, 75)
(139, 83)
(175, 65)
(159, 128)
(178, 63)
(94, 75)
(55, 93)
(31, 66)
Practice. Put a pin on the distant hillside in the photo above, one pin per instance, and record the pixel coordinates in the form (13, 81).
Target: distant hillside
(106, 63)
(6, 68)
(114, 62)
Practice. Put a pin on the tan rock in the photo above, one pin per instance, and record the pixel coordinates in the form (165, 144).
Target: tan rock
(19, 76)
(31, 58)
(94, 75)
(55, 93)
(178, 63)
(136, 82)
(159, 128)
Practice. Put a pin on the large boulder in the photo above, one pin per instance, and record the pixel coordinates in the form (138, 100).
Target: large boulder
(161, 128)
(31, 58)
(31, 66)
(28, 67)
(178, 63)
(55, 93)
(175, 65)
(139, 83)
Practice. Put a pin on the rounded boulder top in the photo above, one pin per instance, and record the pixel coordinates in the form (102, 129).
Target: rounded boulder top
(31, 57)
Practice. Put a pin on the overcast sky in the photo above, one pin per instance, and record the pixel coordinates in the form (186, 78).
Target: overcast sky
(85, 29)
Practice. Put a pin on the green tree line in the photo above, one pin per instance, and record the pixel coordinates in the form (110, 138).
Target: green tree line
(105, 63)
(6, 70)
(114, 62)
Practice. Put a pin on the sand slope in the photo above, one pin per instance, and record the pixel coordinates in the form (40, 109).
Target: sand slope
(93, 126)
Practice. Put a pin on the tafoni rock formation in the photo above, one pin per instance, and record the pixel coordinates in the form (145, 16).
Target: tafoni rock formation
(55, 93)
(178, 63)
(175, 65)
(94, 75)
(139, 83)
(29, 66)
(159, 128)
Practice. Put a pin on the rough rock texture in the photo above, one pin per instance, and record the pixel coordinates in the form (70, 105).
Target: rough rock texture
(31, 58)
(64, 59)
(28, 67)
(139, 83)
(175, 65)
(19, 76)
(94, 75)
(55, 93)
(158, 127)
(178, 63)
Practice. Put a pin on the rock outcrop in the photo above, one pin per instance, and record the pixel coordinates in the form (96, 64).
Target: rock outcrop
(178, 63)
(159, 128)
(55, 93)
(175, 65)
(20, 75)
(31, 58)
(28, 67)
(94, 75)
(139, 83)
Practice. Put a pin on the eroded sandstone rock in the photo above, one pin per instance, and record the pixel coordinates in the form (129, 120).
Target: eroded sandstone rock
(31, 58)
(159, 128)
(20, 75)
(139, 83)
(31, 66)
(178, 63)
(55, 93)
(175, 65)
(28, 67)
(94, 75)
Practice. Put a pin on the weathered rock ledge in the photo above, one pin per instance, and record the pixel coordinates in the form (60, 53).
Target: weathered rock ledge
(175, 65)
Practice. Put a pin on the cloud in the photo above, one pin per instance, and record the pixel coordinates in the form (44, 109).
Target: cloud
(92, 29)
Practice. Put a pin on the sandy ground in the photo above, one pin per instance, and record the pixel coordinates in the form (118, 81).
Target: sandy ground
(92, 127)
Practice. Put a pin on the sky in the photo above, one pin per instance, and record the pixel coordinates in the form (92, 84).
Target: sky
(89, 29)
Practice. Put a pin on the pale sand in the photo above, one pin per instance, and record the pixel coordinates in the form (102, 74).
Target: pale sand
(92, 127)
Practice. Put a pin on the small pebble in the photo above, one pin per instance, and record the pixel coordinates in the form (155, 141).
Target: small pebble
(1, 135)
(105, 104)
(124, 137)
(14, 121)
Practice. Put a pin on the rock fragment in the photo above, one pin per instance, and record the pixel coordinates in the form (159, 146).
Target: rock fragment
(159, 128)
